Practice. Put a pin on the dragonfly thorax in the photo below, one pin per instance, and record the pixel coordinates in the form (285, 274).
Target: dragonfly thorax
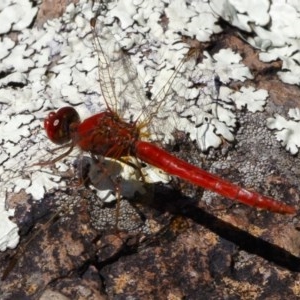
(106, 134)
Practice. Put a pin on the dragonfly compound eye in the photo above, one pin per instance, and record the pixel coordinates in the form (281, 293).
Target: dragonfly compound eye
(58, 124)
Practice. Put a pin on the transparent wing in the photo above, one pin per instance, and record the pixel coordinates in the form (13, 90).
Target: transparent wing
(185, 97)
(107, 84)
(119, 79)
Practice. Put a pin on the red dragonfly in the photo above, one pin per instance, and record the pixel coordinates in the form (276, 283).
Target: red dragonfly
(108, 134)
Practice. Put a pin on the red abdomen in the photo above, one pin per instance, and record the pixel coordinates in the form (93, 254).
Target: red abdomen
(162, 159)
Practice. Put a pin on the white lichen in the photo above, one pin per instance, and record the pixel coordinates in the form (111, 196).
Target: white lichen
(9, 237)
(248, 97)
(274, 25)
(287, 131)
(243, 14)
(16, 15)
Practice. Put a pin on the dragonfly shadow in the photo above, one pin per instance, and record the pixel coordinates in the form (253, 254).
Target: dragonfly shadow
(241, 238)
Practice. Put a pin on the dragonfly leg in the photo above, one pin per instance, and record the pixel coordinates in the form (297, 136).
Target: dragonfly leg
(117, 184)
(137, 167)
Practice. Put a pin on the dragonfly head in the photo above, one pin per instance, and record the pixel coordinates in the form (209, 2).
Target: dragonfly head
(58, 125)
